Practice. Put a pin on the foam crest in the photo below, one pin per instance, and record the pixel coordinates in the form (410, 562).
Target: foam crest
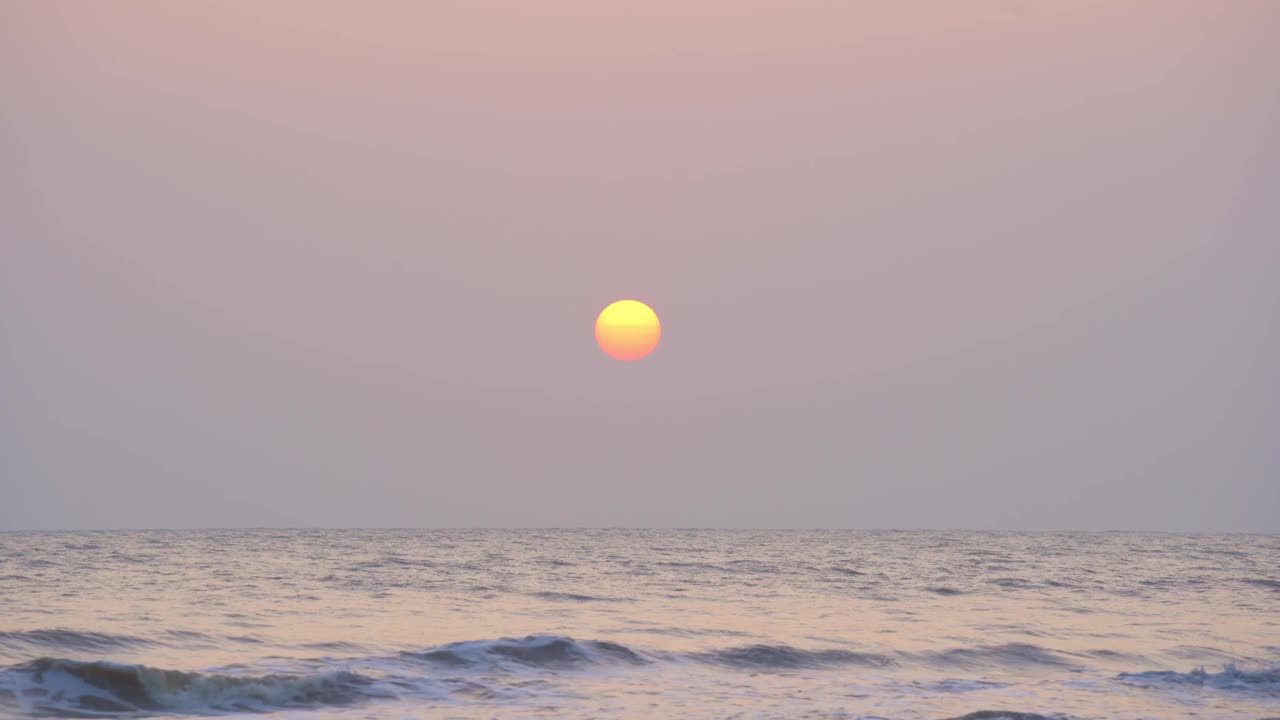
(76, 688)
(1265, 680)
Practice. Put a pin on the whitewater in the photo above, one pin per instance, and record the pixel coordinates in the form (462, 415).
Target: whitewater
(469, 624)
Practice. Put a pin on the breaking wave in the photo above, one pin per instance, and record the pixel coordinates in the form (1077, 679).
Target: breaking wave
(94, 689)
(465, 671)
(1266, 681)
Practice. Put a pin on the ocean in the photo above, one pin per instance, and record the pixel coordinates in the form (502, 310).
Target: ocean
(694, 624)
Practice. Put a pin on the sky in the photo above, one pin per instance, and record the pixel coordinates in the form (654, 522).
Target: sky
(974, 264)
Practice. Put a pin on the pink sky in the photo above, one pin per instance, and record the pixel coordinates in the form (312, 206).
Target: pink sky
(965, 264)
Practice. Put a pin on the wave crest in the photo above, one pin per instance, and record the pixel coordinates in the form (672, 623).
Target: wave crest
(1001, 715)
(1009, 654)
(531, 651)
(1266, 681)
(64, 639)
(73, 687)
(573, 597)
(783, 657)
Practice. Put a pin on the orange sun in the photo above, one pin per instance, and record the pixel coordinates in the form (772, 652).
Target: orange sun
(628, 330)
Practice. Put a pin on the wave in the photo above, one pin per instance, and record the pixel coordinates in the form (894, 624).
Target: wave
(556, 651)
(64, 639)
(334, 646)
(1009, 654)
(783, 657)
(574, 597)
(63, 687)
(95, 689)
(1002, 715)
(1266, 681)
(952, 685)
(695, 566)
(1013, 583)
(533, 651)
(687, 632)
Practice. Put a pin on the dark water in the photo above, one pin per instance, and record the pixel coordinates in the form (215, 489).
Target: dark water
(639, 624)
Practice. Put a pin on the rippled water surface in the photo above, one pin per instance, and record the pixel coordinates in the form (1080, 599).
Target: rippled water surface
(639, 624)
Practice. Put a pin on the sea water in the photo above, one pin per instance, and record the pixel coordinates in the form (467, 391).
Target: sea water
(639, 624)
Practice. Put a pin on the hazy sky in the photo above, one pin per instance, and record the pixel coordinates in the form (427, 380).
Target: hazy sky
(919, 264)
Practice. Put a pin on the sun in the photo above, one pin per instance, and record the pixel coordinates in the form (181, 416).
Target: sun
(628, 330)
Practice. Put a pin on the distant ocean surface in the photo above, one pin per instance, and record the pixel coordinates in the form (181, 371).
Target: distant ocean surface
(639, 624)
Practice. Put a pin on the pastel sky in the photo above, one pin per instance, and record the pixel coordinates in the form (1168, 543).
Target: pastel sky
(919, 264)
